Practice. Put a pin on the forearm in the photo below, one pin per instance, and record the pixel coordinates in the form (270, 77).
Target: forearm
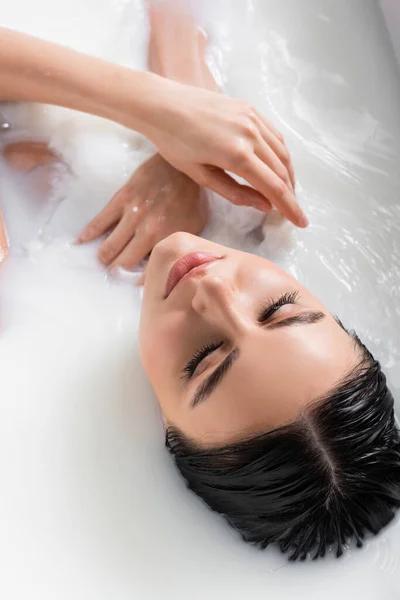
(177, 45)
(35, 70)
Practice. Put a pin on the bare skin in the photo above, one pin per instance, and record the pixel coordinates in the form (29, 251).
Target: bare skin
(140, 214)
(199, 132)
(146, 210)
(160, 199)
(281, 362)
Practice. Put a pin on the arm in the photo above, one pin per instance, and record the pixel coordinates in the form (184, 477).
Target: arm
(199, 132)
(158, 199)
(35, 70)
(177, 47)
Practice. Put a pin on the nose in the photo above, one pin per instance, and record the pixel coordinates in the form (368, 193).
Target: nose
(218, 301)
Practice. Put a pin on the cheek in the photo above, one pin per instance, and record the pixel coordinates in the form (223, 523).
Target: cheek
(160, 340)
(153, 349)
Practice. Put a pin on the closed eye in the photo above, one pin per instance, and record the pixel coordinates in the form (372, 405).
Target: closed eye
(274, 305)
(265, 314)
(214, 379)
(193, 364)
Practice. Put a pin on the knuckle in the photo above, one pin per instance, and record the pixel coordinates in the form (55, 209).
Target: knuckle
(253, 116)
(248, 127)
(250, 113)
(152, 230)
(279, 189)
(285, 156)
(282, 174)
(106, 253)
(240, 158)
(130, 210)
(280, 137)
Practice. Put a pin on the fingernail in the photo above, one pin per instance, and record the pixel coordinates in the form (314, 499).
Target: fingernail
(82, 237)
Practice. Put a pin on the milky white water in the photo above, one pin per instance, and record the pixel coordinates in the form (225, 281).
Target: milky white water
(90, 504)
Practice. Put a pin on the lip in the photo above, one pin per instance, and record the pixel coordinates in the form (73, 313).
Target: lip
(186, 266)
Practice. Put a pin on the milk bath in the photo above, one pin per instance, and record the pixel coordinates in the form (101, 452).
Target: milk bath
(91, 505)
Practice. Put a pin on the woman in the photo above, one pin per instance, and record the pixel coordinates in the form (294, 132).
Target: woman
(276, 416)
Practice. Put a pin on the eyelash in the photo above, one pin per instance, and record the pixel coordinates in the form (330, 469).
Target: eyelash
(274, 305)
(198, 356)
(266, 313)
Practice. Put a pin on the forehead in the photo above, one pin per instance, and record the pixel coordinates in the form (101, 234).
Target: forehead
(278, 373)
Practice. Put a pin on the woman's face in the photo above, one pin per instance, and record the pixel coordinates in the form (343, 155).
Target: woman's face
(237, 346)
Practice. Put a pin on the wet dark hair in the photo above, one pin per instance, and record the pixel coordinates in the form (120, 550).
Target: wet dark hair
(329, 477)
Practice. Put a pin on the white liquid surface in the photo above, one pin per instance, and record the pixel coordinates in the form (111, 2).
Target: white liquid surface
(91, 506)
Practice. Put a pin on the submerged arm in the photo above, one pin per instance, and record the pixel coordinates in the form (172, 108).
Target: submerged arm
(177, 46)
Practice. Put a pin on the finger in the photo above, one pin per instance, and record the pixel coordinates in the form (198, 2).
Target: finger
(292, 175)
(106, 218)
(118, 238)
(280, 150)
(270, 185)
(270, 126)
(139, 247)
(220, 182)
(268, 157)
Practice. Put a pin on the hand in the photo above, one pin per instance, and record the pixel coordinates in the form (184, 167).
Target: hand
(206, 135)
(157, 200)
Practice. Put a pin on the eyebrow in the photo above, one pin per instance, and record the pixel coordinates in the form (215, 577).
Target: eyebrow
(305, 318)
(207, 387)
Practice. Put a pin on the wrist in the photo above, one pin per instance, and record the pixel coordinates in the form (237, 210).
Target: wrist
(133, 99)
